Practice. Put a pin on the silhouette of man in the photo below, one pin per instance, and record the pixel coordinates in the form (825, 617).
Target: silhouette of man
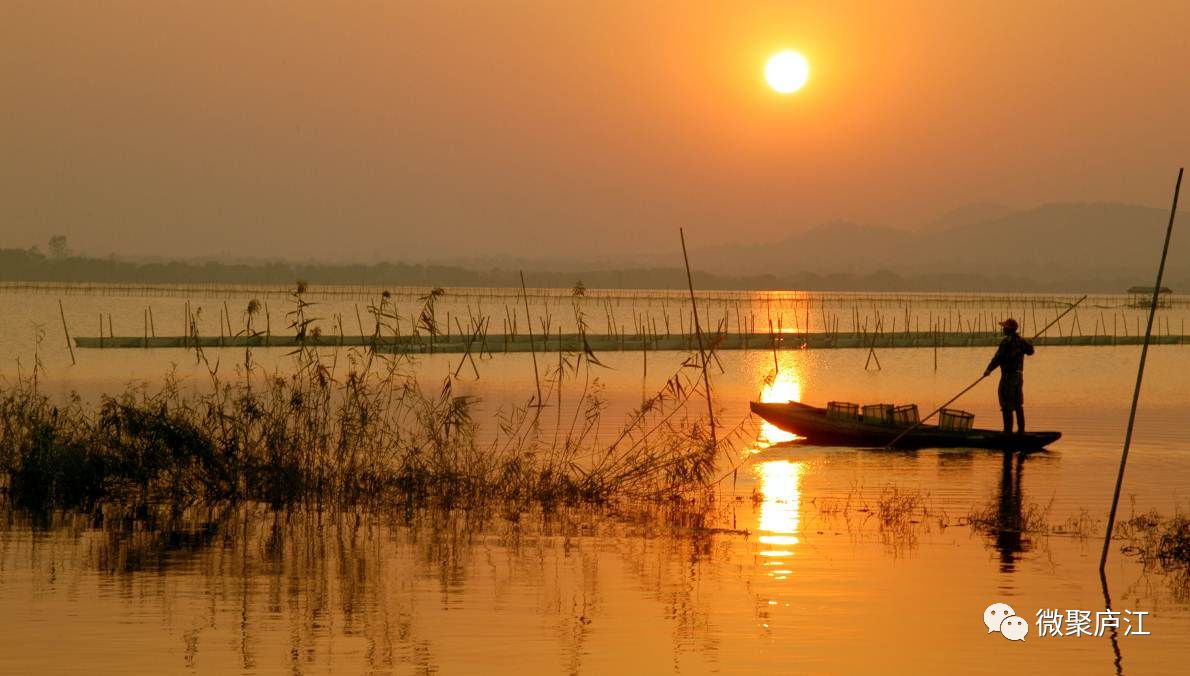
(1010, 357)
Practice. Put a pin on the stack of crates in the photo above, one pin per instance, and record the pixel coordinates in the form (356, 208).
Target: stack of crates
(954, 420)
(842, 410)
(880, 414)
(906, 415)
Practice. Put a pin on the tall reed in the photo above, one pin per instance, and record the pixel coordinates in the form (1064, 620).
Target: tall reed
(343, 426)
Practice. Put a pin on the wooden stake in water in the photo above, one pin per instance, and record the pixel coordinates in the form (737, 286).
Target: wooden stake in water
(773, 340)
(69, 342)
(706, 378)
(532, 350)
(644, 375)
(561, 378)
(1140, 373)
(872, 345)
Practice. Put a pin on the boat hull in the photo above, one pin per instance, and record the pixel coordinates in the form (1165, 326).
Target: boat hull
(813, 423)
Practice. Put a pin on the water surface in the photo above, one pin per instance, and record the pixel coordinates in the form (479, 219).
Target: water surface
(790, 568)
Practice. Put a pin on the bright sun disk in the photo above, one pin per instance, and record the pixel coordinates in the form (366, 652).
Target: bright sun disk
(787, 72)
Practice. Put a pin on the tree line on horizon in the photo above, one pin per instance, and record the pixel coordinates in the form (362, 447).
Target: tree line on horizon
(61, 265)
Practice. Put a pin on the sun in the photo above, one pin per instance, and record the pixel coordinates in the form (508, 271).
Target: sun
(787, 72)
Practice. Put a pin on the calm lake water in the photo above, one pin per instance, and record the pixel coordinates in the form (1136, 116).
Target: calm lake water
(792, 569)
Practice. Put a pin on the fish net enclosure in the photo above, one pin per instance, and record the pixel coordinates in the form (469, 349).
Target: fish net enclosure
(954, 420)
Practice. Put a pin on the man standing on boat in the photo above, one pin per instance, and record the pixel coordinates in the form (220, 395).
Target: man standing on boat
(1010, 357)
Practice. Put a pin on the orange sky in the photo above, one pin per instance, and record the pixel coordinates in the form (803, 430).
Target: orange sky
(408, 130)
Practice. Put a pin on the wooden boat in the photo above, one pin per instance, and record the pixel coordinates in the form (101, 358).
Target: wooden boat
(819, 429)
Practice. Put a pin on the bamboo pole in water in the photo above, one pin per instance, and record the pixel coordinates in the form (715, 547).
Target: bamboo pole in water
(467, 352)
(69, 343)
(561, 380)
(773, 340)
(532, 350)
(644, 375)
(1140, 373)
(934, 331)
(872, 345)
(706, 378)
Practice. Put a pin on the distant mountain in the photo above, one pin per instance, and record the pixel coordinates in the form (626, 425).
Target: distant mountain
(969, 214)
(840, 246)
(1063, 240)
(1096, 246)
(1068, 248)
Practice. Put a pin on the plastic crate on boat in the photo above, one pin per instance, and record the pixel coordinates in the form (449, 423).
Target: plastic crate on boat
(878, 413)
(842, 410)
(954, 420)
(906, 415)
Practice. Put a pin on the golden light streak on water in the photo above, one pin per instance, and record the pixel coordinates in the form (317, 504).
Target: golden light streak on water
(780, 485)
(783, 540)
(779, 482)
(783, 387)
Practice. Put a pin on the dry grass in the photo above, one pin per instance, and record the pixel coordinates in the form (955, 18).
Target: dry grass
(993, 518)
(897, 515)
(1158, 540)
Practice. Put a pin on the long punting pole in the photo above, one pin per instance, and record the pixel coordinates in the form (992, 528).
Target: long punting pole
(977, 380)
(1140, 374)
(706, 379)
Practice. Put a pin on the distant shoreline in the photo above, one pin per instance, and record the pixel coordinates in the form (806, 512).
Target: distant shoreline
(30, 265)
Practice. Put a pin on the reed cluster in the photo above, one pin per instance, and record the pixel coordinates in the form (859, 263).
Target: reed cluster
(1158, 540)
(346, 426)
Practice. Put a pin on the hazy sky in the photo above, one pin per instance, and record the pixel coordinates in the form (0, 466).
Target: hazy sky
(406, 130)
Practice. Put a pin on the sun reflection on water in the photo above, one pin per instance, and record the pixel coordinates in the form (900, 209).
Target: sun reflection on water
(779, 484)
(782, 388)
